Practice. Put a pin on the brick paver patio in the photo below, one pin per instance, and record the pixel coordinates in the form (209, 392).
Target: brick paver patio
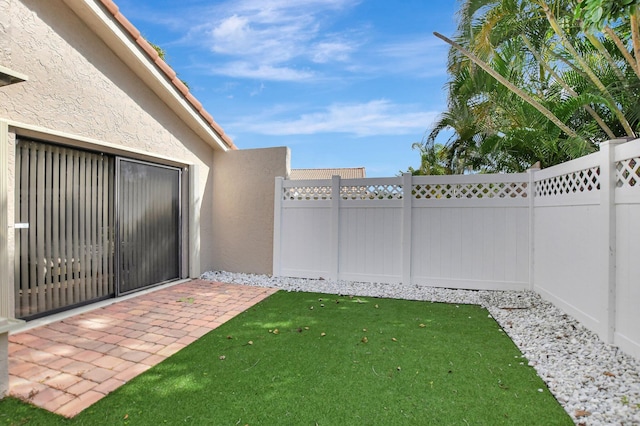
(68, 365)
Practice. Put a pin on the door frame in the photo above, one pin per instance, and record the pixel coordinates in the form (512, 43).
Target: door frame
(117, 223)
(11, 131)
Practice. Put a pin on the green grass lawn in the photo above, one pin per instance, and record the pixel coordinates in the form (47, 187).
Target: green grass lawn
(306, 359)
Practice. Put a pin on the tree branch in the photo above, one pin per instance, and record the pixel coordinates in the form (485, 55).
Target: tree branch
(522, 94)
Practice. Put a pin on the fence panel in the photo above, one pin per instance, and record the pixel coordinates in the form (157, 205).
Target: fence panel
(570, 268)
(471, 231)
(627, 196)
(471, 247)
(370, 243)
(306, 245)
(303, 233)
(370, 229)
(460, 232)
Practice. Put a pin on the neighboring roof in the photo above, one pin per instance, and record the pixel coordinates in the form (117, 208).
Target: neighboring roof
(344, 173)
(151, 54)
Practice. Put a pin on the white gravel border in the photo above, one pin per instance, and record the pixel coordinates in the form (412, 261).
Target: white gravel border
(596, 383)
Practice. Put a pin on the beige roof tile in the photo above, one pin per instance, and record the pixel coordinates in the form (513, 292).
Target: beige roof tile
(344, 173)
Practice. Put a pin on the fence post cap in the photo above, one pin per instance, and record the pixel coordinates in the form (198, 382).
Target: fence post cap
(617, 141)
(535, 167)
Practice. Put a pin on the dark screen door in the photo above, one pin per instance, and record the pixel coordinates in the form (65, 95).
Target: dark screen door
(148, 224)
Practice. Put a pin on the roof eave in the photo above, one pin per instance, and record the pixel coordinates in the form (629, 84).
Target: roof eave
(103, 17)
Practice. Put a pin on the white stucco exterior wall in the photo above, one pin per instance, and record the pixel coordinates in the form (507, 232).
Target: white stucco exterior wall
(80, 88)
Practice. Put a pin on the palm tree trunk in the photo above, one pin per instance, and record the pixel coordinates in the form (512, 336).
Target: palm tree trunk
(623, 49)
(568, 63)
(522, 94)
(635, 34)
(594, 78)
(568, 88)
(604, 52)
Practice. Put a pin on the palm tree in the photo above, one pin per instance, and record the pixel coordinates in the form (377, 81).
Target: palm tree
(433, 159)
(558, 89)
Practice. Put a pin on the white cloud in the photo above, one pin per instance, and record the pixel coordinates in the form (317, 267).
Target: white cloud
(378, 117)
(257, 91)
(416, 48)
(421, 56)
(261, 72)
(298, 40)
(246, 37)
(271, 35)
(231, 32)
(328, 51)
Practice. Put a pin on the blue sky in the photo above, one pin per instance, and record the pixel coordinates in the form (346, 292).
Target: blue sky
(343, 83)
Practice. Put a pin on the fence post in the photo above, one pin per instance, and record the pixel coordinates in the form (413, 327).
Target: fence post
(532, 194)
(277, 227)
(335, 228)
(407, 197)
(608, 205)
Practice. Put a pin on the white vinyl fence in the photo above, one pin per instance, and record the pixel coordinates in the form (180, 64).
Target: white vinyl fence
(586, 232)
(568, 232)
(453, 231)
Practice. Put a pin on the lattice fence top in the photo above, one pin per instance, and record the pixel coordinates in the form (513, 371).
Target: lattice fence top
(628, 172)
(470, 190)
(430, 191)
(372, 192)
(582, 181)
(307, 193)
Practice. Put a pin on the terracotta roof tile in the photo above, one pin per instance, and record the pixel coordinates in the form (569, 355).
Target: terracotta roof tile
(219, 130)
(127, 24)
(148, 48)
(196, 103)
(205, 114)
(112, 8)
(180, 86)
(165, 68)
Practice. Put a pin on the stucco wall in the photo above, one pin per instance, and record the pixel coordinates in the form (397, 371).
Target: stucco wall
(244, 183)
(79, 86)
(5, 6)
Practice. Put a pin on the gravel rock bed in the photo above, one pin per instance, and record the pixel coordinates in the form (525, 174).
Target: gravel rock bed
(596, 383)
